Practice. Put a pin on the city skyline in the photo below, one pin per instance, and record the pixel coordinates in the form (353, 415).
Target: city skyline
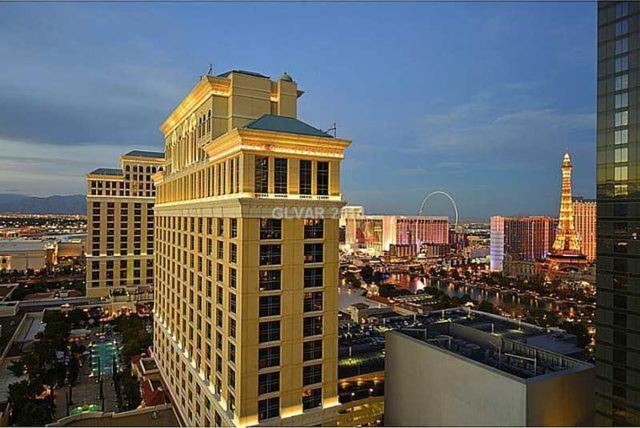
(487, 125)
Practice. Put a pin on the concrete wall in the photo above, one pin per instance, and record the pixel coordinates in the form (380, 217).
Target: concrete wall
(431, 387)
(427, 386)
(566, 400)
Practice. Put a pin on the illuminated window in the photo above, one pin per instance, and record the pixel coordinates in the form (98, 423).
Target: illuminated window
(622, 118)
(621, 136)
(620, 190)
(621, 155)
(620, 173)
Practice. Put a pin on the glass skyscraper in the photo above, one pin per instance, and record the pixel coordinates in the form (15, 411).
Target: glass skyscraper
(618, 215)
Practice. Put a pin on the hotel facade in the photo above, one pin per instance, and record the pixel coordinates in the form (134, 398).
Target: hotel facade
(247, 257)
(379, 233)
(618, 213)
(119, 246)
(520, 238)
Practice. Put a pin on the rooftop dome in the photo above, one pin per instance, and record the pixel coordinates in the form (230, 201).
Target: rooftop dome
(286, 77)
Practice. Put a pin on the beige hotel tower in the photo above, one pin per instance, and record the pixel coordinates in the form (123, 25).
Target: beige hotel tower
(246, 262)
(119, 247)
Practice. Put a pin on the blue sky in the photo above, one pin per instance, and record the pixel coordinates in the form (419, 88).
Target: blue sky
(479, 100)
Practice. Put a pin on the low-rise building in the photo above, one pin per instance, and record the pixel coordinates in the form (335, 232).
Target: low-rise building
(25, 254)
(476, 372)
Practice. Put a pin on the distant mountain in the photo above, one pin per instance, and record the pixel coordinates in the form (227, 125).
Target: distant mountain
(71, 204)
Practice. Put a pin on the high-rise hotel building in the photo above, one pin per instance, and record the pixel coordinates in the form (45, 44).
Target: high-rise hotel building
(119, 247)
(618, 215)
(247, 262)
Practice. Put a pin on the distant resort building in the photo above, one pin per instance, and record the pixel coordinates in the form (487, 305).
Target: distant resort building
(119, 250)
(381, 233)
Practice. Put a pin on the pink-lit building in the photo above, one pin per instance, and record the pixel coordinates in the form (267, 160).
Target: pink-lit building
(378, 233)
(520, 238)
(584, 218)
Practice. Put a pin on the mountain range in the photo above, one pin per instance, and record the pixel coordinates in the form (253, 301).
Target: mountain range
(24, 204)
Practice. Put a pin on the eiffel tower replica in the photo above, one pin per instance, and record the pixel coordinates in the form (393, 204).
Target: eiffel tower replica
(566, 256)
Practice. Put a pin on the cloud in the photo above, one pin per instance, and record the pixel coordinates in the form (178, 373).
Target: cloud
(43, 169)
(482, 128)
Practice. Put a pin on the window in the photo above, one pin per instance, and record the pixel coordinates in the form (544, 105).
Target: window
(620, 320)
(269, 255)
(232, 327)
(620, 173)
(619, 375)
(312, 350)
(313, 228)
(270, 228)
(269, 280)
(262, 175)
(323, 178)
(220, 250)
(269, 306)
(620, 265)
(234, 227)
(233, 252)
(620, 190)
(622, 27)
(232, 403)
(313, 277)
(622, 64)
(313, 253)
(233, 278)
(619, 356)
(220, 227)
(620, 301)
(220, 272)
(622, 9)
(268, 382)
(268, 357)
(313, 301)
(220, 296)
(232, 352)
(311, 398)
(622, 118)
(280, 176)
(312, 326)
(305, 177)
(621, 82)
(232, 303)
(621, 136)
(621, 46)
(620, 282)
(621, 155)
(232, 378)
(269, 408)
(269, 331)
(312, 374)
(622, 100)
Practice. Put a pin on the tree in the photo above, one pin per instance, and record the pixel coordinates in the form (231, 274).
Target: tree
(486, 306)
(366, 273)
(352, 281)
(17, 368)
(33, 414)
